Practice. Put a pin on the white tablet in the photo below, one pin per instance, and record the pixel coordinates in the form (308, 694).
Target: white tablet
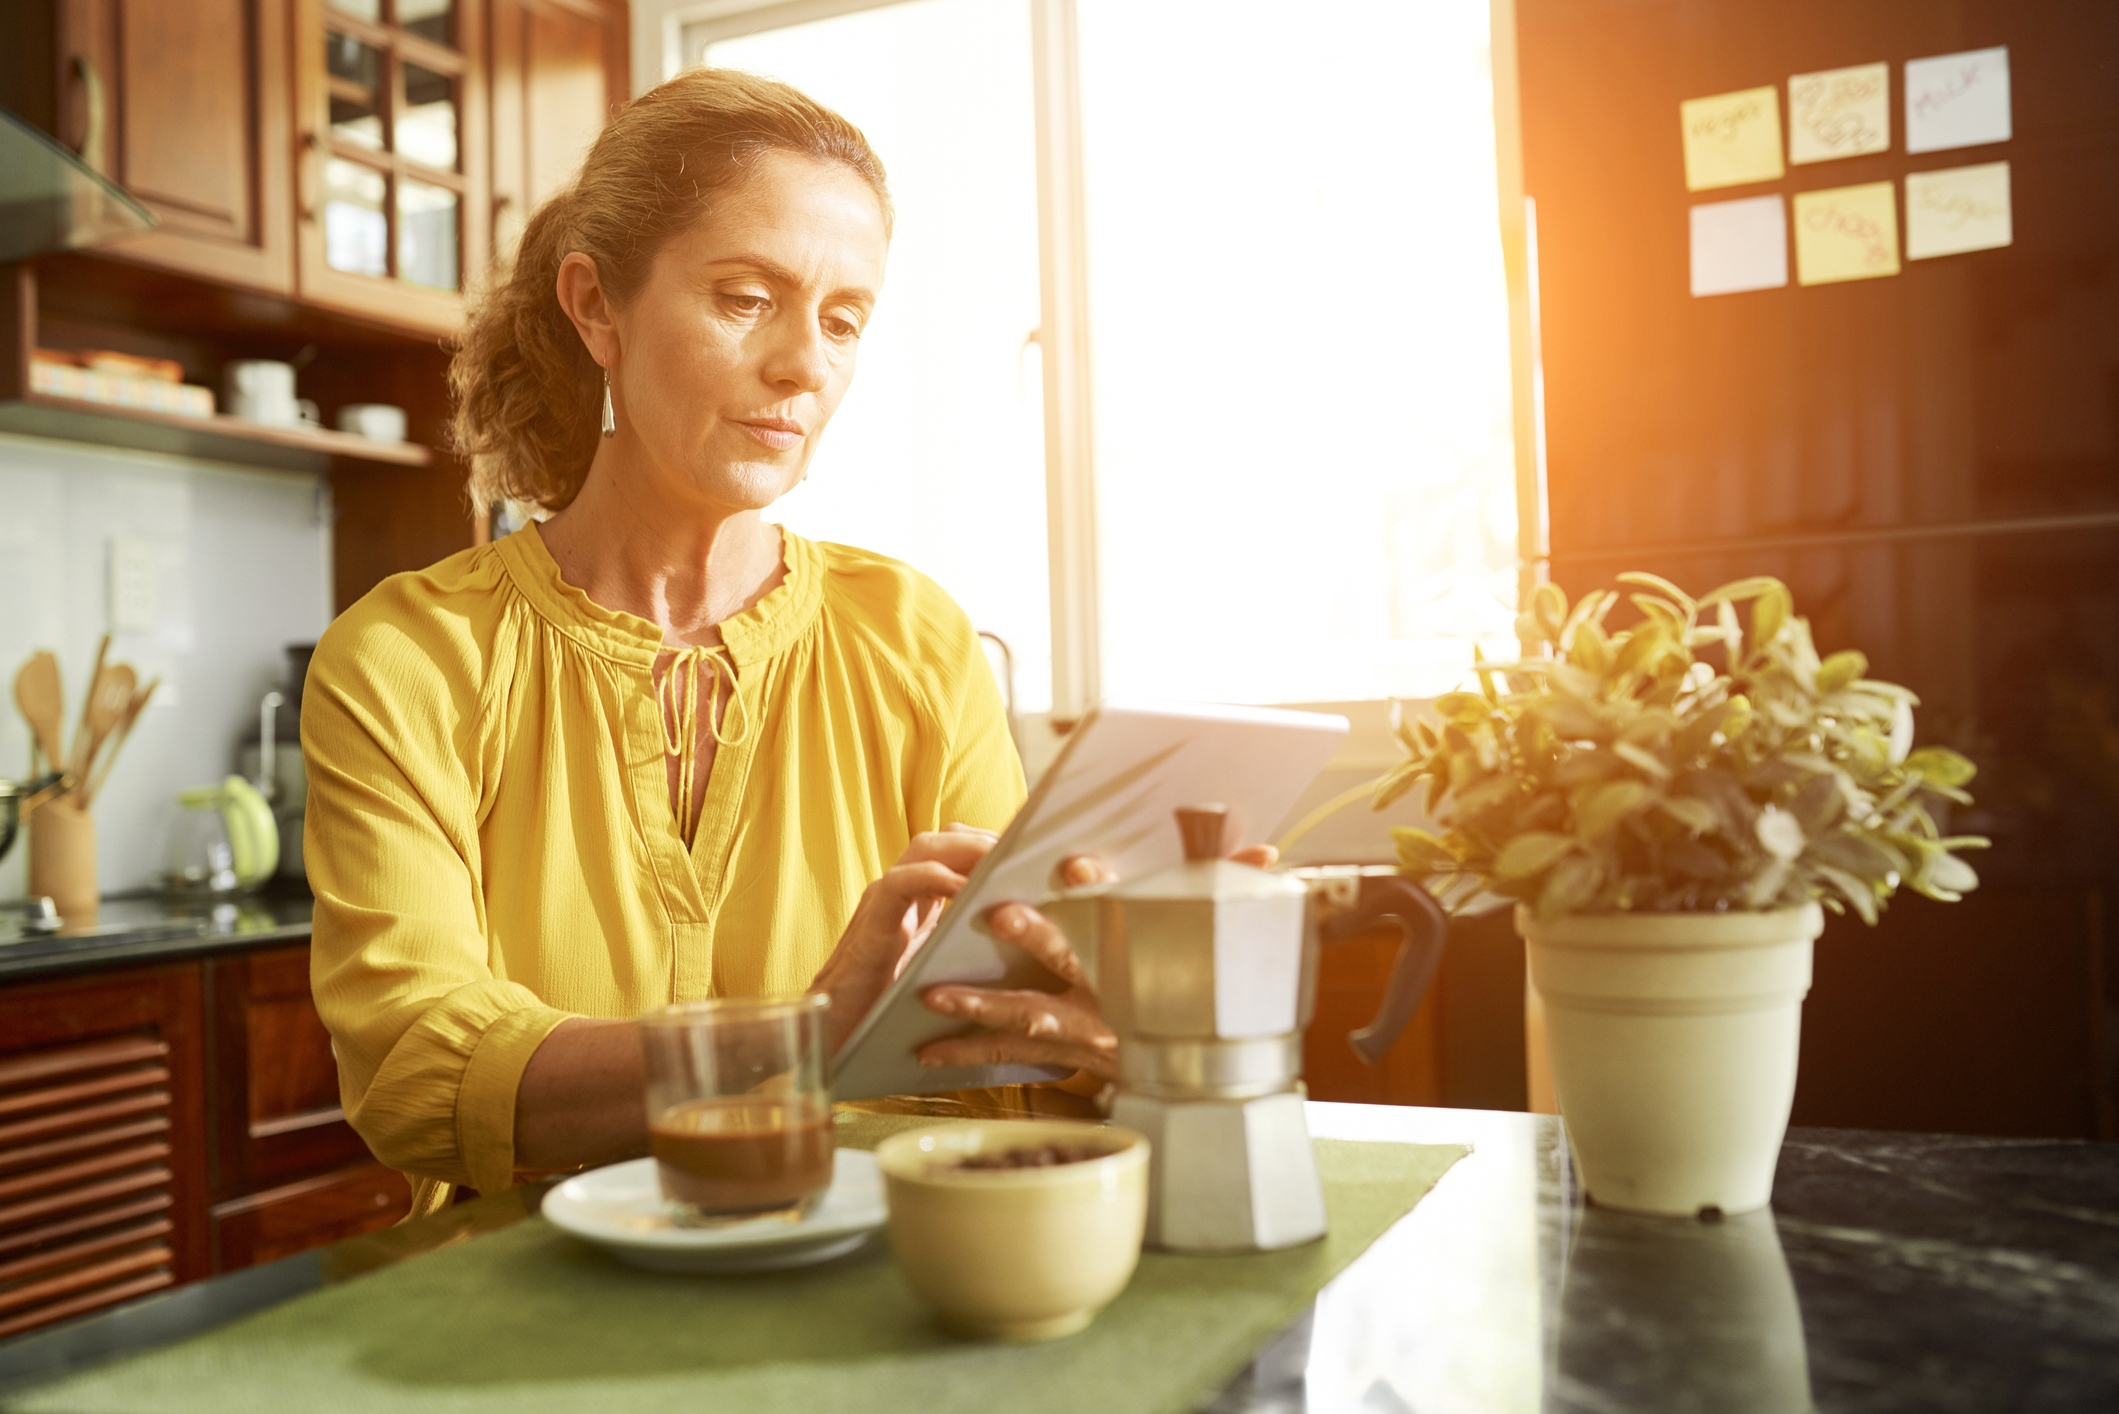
(1112, 792)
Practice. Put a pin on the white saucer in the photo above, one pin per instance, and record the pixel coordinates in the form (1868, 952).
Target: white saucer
(621, 1210)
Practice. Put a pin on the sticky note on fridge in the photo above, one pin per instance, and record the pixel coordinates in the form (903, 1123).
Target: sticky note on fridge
(1732, 138)
(1846, 233)
(1957, 100)
(1956, 210)
(1739, 245)
(1839, 113)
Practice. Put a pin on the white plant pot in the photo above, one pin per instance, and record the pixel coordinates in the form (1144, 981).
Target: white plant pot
(1673, 1041)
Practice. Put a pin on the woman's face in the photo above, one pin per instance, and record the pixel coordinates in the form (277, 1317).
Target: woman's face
(735, 353)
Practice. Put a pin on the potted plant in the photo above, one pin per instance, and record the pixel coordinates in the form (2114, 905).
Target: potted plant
(1670, 805)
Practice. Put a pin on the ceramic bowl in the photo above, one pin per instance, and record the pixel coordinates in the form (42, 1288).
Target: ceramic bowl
(1015, 1254)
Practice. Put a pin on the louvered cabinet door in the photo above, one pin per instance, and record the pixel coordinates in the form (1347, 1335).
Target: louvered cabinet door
(101, 1144)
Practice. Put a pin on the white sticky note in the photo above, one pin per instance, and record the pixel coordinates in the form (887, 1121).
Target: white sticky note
(1839, 113)
(1958, 100)
(1956, 210)
(1739, 245)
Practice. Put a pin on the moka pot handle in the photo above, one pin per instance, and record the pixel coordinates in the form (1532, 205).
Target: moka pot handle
(1424, 927)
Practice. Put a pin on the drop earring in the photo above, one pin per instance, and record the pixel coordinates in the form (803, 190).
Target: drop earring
(610, 418)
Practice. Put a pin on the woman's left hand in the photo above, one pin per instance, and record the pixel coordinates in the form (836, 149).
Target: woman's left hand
(1030, 1027)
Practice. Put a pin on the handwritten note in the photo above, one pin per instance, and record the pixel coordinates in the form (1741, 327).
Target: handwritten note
(1846, 233)
(1959, 209)
(1732, 138)
(1957, 100)
(1739, 245)
(1839, 113)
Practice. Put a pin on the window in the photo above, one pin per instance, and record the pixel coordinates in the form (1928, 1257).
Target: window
(1295, 316)
(937, 455)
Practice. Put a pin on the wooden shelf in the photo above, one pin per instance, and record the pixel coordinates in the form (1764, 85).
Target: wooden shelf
(217, 438)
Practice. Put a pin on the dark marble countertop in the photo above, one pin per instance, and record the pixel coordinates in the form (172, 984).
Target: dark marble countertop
(1894, 1272)
(130, 930)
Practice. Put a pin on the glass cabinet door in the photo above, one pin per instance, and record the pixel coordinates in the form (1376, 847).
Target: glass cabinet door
(391, 108)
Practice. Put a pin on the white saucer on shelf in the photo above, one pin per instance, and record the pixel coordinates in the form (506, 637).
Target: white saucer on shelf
(621, 1210)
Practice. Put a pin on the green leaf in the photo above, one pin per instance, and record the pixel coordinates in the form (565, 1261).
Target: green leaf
(1939, 765)
(1571, 883)
(1858, 856)
(1694, 860)
(1530, 854)
(1732, 636)
(1464, 709)
(1643, 759)
(1548, 609)
(1770, 614)
(1660, 585)
(1818, 803)
(1585, 767)
(1841, 670)
(1419, 849)
(1589, 649)
(1599, 808)
(1638, 648)
(1695, 815)
(1855, 891)
(1402, 778)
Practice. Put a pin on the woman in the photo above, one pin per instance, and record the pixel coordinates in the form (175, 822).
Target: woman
(654, 748)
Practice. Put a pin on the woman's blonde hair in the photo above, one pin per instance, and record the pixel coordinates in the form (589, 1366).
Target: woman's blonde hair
(528, 395)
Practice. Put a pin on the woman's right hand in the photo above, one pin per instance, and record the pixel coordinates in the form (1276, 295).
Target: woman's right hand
(894, 916)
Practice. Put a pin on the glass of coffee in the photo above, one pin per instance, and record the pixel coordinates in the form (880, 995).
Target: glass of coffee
(739, 1106)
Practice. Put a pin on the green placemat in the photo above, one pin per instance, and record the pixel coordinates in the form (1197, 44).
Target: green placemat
(528, 1319)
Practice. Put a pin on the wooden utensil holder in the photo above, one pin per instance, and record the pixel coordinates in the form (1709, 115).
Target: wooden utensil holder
(62, 857)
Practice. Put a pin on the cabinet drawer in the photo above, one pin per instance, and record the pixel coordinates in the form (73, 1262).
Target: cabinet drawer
(276, 1111)
(299, 1216)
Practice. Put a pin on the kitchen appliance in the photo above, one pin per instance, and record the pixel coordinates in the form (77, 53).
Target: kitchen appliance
(222, 841)
(279, 772)
(18, 799)
(50, 200)
(1208, 973)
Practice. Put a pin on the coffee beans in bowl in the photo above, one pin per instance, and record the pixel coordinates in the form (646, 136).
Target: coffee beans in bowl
(1016, 1229)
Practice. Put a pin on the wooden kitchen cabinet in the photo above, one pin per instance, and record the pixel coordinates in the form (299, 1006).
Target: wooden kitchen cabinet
(184, 103)
(160, 1124)
(102, 1143)
(390, 121)
(558, 69)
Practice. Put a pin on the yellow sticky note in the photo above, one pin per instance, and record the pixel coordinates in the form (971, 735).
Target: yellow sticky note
(1839, 113)
(1732, 138)
(1957, 209)
(1846, 233)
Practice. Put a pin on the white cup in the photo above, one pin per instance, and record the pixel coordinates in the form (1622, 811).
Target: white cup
(378, 422)
(262, 390)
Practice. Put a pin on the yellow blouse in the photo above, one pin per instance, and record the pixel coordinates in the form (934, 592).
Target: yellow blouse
(490, 837)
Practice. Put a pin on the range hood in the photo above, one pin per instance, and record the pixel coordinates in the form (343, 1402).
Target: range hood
(50, 200)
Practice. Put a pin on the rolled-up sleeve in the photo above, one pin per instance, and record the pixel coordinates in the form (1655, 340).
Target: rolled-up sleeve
(431, 1046)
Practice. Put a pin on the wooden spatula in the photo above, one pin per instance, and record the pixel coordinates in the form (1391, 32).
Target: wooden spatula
(77, 765)
(43, 705)
(124, 729)
(107, 702)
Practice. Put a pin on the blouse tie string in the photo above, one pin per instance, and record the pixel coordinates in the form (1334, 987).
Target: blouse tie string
(679, 713)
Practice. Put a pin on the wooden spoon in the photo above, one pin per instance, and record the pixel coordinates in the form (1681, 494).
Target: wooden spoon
(105, 709)
(124, 730)
(83, 748)
(43, 704)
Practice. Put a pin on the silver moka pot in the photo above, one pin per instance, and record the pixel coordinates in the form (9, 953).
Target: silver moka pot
(1208, 973)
